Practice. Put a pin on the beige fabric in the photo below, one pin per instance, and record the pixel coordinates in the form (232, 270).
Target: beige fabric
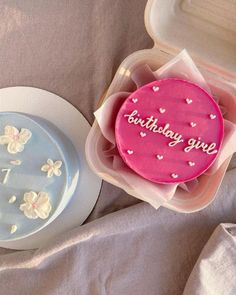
(214, 272)
(73, 48)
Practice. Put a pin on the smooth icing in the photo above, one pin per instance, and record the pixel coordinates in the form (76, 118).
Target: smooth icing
(172, 133)
(29, 198)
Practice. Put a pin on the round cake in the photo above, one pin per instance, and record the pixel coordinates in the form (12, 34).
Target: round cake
(38, 174)
(169, 131)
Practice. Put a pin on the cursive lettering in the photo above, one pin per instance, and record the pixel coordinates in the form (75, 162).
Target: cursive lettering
(197, 144)
(150, 123)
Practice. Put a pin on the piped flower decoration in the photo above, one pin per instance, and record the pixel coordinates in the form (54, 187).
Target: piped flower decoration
(15, 139)
(52, 168)
(36, 205)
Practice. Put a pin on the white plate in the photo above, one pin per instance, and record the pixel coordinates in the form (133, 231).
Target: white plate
(69, 120)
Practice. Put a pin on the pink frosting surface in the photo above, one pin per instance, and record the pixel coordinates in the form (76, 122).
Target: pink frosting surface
(169, 131)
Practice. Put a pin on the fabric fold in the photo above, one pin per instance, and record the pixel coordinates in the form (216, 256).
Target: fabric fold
(214, 272)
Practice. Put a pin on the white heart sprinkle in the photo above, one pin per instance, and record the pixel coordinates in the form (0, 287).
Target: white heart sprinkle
(160, 157)
(155, 88)
(192, 124)
(191, 163)
(142, 134)
(174, 175)
(134, 100)
(130, 152)
(212, 116)
(188, 100)
(162, 111)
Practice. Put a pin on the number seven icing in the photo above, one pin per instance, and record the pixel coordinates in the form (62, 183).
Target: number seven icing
(183, 129)
(15, 139)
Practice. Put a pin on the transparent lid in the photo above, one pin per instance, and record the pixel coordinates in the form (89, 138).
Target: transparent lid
(206, 28)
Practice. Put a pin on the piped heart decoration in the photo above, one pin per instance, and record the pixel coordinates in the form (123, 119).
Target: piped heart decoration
(159, 157)
(130, 152)
(162, 111)
(191, 164)
(192, 124)
(134, 100)
(174, 175)
(142, 134)
(212, 117)
(189, 100)
(155, 88)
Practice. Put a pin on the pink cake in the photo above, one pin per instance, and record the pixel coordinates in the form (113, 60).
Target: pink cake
(169, 131)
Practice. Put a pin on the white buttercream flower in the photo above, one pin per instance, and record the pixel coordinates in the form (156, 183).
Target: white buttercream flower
(52, 168)
(36, 205)
(14, 139)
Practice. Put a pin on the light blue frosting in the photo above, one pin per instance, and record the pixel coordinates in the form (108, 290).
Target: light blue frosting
(47, 142)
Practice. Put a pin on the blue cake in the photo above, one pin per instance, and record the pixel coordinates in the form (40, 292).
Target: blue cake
(39, 172)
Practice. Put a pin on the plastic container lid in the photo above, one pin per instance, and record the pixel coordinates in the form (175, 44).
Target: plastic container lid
(206, 28)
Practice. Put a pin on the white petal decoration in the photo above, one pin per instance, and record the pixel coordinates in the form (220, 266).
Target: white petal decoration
(45, 168)
(58, 164)
(30, 197)
(57, 172)
(12, 200)
(4, 139)
(10, 130)
(50, 172)
(14, 139)
(52, 168)
(16, 162)
(24, 136)
(50, 162)
(13, 229)
(15, 147)
(36, 205)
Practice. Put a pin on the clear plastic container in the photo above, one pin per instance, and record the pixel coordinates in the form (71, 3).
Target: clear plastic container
(207, 29)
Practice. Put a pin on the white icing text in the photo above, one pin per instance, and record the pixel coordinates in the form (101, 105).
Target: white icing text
(7, 170)
(150, 123)
(197, 144)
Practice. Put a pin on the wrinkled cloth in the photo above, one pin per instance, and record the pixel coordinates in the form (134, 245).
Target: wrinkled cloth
(137, 250)
(73, 48)
(214, 272)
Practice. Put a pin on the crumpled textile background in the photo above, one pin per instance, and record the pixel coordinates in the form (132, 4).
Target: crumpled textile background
(214, 272)
(73, 48)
